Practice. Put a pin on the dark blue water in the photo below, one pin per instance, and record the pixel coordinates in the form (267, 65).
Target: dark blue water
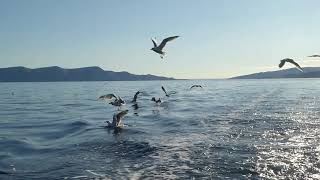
(259, 129)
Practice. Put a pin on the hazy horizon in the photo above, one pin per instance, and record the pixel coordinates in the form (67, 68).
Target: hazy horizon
(219, 39)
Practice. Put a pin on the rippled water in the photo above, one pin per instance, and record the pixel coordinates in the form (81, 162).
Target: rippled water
(256, 129)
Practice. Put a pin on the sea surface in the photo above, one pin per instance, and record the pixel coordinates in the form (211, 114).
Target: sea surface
(236, 129)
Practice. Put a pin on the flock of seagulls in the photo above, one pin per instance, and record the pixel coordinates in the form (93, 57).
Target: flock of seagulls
(118, 102)
(158, 48)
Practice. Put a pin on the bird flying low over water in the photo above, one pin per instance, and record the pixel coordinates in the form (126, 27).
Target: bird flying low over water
(315, 55)
(117, 102)
(116, 121)
(159, 48)
(108, 96)
(193, 86)
(283, 61)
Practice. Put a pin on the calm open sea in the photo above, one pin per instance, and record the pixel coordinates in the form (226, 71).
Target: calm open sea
(259, 129)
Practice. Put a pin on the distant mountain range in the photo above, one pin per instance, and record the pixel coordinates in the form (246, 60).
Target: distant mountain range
(54, 73)
(308, 72)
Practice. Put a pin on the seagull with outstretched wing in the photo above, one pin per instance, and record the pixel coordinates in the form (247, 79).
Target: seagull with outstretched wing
(159, 48)
(108, 96)
(117, 102)
(193, 86)
(116, 121)
(283, 61)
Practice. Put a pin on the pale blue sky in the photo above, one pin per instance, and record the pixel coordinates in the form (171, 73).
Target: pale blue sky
(218, 38)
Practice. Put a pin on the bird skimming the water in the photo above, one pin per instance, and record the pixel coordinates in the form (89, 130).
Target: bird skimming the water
(117, 102)
(116, 121)
(108, 96)
(159, 48)
(193, 86)
(283, 61)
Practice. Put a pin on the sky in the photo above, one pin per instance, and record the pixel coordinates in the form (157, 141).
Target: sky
(218, 38)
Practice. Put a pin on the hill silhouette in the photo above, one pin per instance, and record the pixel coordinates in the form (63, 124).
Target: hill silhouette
(55, 73)
(308, 72)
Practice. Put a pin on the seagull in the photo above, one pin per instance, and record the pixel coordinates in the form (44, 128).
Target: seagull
(196, 86)
(117, 102)
(283, 61)
(116, 122)
(135, 96)
(154, 99)
(108, 96)
(158, 48)
(164, 90)
(315, 55)
(167, 94)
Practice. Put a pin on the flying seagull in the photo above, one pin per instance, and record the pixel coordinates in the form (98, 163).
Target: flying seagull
(108, 96)
(135, 96)
(117, 102)
(158, 48)
(154, 99)
(116, 122)
(196, 86)
(315, 55)
(283, 61)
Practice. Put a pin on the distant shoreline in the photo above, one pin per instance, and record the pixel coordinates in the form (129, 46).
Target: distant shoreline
(308, 72)
(58, 74)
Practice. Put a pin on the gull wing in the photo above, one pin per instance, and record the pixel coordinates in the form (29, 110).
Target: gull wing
(114, 120)
(296, 64)
(119, 116)
(164, 90)
(196, 86)
(283, 61)
(164, 42)
(121, 100)
(135, 96)
(154, 42)
(108, 96)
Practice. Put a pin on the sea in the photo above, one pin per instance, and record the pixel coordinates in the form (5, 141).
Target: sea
(229, 129)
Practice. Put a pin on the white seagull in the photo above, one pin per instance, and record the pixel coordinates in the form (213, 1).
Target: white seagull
(158, 48)
(283, 61)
